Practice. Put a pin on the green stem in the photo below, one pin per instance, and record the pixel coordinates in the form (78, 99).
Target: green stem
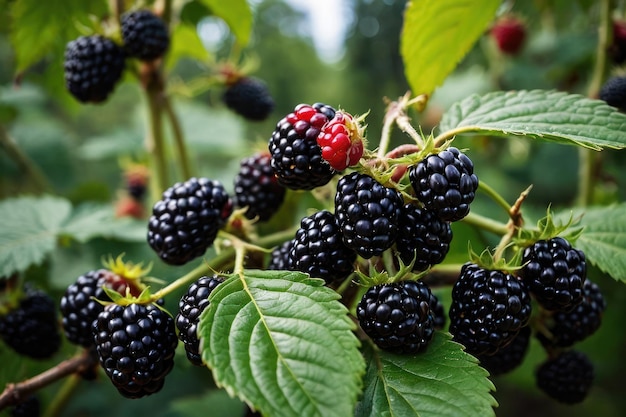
(486, 223)
(450, 134)
(385, 134)
(156, 143)
(179, 141)
(23, 161)
(62, 397)
(495, 196)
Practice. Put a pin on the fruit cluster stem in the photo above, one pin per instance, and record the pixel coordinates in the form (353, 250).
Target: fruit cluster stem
(179, 140)
(486, 223)
(156, 142)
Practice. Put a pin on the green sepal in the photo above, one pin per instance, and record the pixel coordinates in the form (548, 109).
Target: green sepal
(548, 228)
(487, 260)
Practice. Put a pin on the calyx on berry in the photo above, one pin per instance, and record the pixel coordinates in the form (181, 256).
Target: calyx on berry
(341, 140)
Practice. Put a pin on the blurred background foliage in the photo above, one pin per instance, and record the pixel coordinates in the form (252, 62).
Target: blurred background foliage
(81, 151)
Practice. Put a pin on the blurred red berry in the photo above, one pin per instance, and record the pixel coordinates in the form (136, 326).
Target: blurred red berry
(509, 32)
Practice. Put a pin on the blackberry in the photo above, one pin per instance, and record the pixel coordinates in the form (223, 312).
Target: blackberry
(79, 306)
(318, 249)
(93, 66)
(257, 188)
(554, 273)
(397, 316)
(296, 157)
(567, 328)
(279, 258)
(613, 92)
(191, 305)
(508, 357)
(566, 378)
(250, 98)
(145, 35)
(136, 345)
(422, 236)
(31, 328)
(445, 183)
(489, 308)
(30, 407)
(185, 222)
(367, 213)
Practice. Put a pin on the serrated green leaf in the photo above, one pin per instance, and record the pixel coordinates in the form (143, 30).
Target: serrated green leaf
(539, 114)
(29, 227)
(236, 13)
(90, 221)
(282, 342)
(442, 381)
(603, 239)
(39, 28)
(185, 43)
(436, 35)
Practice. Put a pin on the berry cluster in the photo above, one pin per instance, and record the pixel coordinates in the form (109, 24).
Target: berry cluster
(95, 64)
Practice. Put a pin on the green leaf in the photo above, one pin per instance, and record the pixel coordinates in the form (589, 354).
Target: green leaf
(603, 239)
(30, 226)
(186, 43)
(442, 381)
(39, 28)
(89, 221)
(547, 115)
(436, 35)
(236, 13)
(282, 342)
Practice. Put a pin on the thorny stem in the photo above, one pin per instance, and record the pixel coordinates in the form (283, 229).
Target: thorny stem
(179, 140)
(23, 161)
(14, 393)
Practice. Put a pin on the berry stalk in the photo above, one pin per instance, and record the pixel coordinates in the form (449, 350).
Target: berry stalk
(181, 146)
(156, 141)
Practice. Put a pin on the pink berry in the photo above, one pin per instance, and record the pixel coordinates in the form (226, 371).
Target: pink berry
(341, 141)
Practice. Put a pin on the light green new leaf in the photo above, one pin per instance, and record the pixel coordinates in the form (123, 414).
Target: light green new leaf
(283, 343)
(41, 27)
(236, 13)
(29, 227)
(440, 382)
(436, 35)
(547, 115)
(604, 238)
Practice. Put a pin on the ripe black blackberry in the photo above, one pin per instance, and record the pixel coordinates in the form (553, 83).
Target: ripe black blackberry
(279, 258)
(554, 273)
(397, 316)
(185, 222)
(566, 378)
(489, 308)
(367, 213)
(508, 357)
(567, 328)
(613, 92)
(296, 157)
(191, 305)
(30, 407)
(145, 35)
(422, 236)
(257, 188)
(136, 345)
(31, 328)
(250, 98)
(318, 249)
(93, 66)
(79, 307)
(445, 183)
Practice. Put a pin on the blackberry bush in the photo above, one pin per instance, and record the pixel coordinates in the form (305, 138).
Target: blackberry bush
(185, 222)
(257, 188)
(145, 35)
(489, 308)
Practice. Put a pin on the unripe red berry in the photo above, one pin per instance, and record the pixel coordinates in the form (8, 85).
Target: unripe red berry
(509, 33)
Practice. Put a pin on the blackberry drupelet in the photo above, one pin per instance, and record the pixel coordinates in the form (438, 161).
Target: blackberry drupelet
(367, 213)
(93, 66)
(145, 35)
(185, 222)
(567, 328)
(397, 316)
(613, 92)
(489, 308)
(445, 183)
(279, 258)
(296, 157)
(30, 407)
(318, 249)
(191, 305)
(508, 357)
(554, 273)
(31, 328)
(79, 306)
(422, 236)
(566, 378)
(250, 98)
(257, 188)
(136, 345)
